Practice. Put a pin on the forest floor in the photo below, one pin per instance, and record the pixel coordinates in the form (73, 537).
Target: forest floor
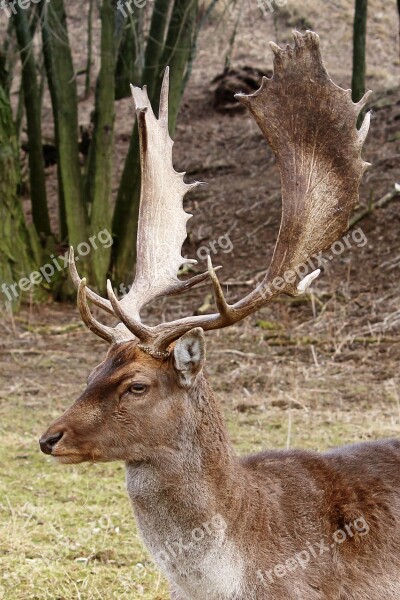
(311, 373)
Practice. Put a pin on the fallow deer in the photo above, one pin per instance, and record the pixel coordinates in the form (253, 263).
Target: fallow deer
(280, 525)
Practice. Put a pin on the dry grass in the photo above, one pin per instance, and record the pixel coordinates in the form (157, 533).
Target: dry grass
(68, 532)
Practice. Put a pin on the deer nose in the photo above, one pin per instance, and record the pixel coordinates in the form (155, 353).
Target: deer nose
(47, 443)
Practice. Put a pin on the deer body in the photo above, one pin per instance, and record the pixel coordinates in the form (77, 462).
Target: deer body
(279, 525)
(275, 506)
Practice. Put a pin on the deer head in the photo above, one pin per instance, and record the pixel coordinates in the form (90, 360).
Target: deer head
(134, 405)
(136, 400)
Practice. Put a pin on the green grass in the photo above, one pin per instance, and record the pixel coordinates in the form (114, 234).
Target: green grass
(67, 532)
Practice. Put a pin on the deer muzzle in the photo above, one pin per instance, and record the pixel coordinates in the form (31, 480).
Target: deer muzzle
(48, 441)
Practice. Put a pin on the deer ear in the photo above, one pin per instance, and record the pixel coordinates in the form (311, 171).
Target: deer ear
(189, 356)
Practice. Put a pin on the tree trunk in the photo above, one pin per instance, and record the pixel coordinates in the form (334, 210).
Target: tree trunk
(40, 212)
(155, 44)
(398, 8)
(17, 254)
(128, 68)
(176, 53)
(100, 162)
(62, 217)
(89, 49)
(62, 83)
(359, 45)
(7, 65)
(126, 214)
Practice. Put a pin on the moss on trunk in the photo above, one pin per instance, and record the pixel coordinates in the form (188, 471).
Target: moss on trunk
(18, 247)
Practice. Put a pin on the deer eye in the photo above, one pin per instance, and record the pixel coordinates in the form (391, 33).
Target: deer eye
(138, 388)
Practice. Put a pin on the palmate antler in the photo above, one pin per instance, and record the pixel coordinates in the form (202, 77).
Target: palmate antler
(310, 124)
(161, 228)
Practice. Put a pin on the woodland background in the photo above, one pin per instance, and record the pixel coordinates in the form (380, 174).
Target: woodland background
(310, 372)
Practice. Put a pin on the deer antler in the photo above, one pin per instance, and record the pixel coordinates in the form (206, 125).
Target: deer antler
(310, 124)
(162, 220)
(161, 229)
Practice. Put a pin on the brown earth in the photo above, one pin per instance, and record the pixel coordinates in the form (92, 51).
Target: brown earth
(339, 345)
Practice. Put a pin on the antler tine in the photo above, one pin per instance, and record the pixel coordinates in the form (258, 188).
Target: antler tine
(223, 307)
(187, 284)
(106, 333)
(134, 326)
(363, 131)
(95, 298)
(164, 97)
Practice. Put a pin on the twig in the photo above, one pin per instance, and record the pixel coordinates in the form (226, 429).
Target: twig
(314, 355)
(250, 235)
(379, 204)
(238, 353)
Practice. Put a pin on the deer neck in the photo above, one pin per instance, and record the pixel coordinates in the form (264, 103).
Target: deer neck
(185, 498)
(201, 457)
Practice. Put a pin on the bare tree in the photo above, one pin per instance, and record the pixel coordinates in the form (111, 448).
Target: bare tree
(359, 47)
(18, 245)
(40, 212)
(134, 46)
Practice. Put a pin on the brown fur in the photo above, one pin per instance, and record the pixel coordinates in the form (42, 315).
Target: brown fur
(183, 471)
